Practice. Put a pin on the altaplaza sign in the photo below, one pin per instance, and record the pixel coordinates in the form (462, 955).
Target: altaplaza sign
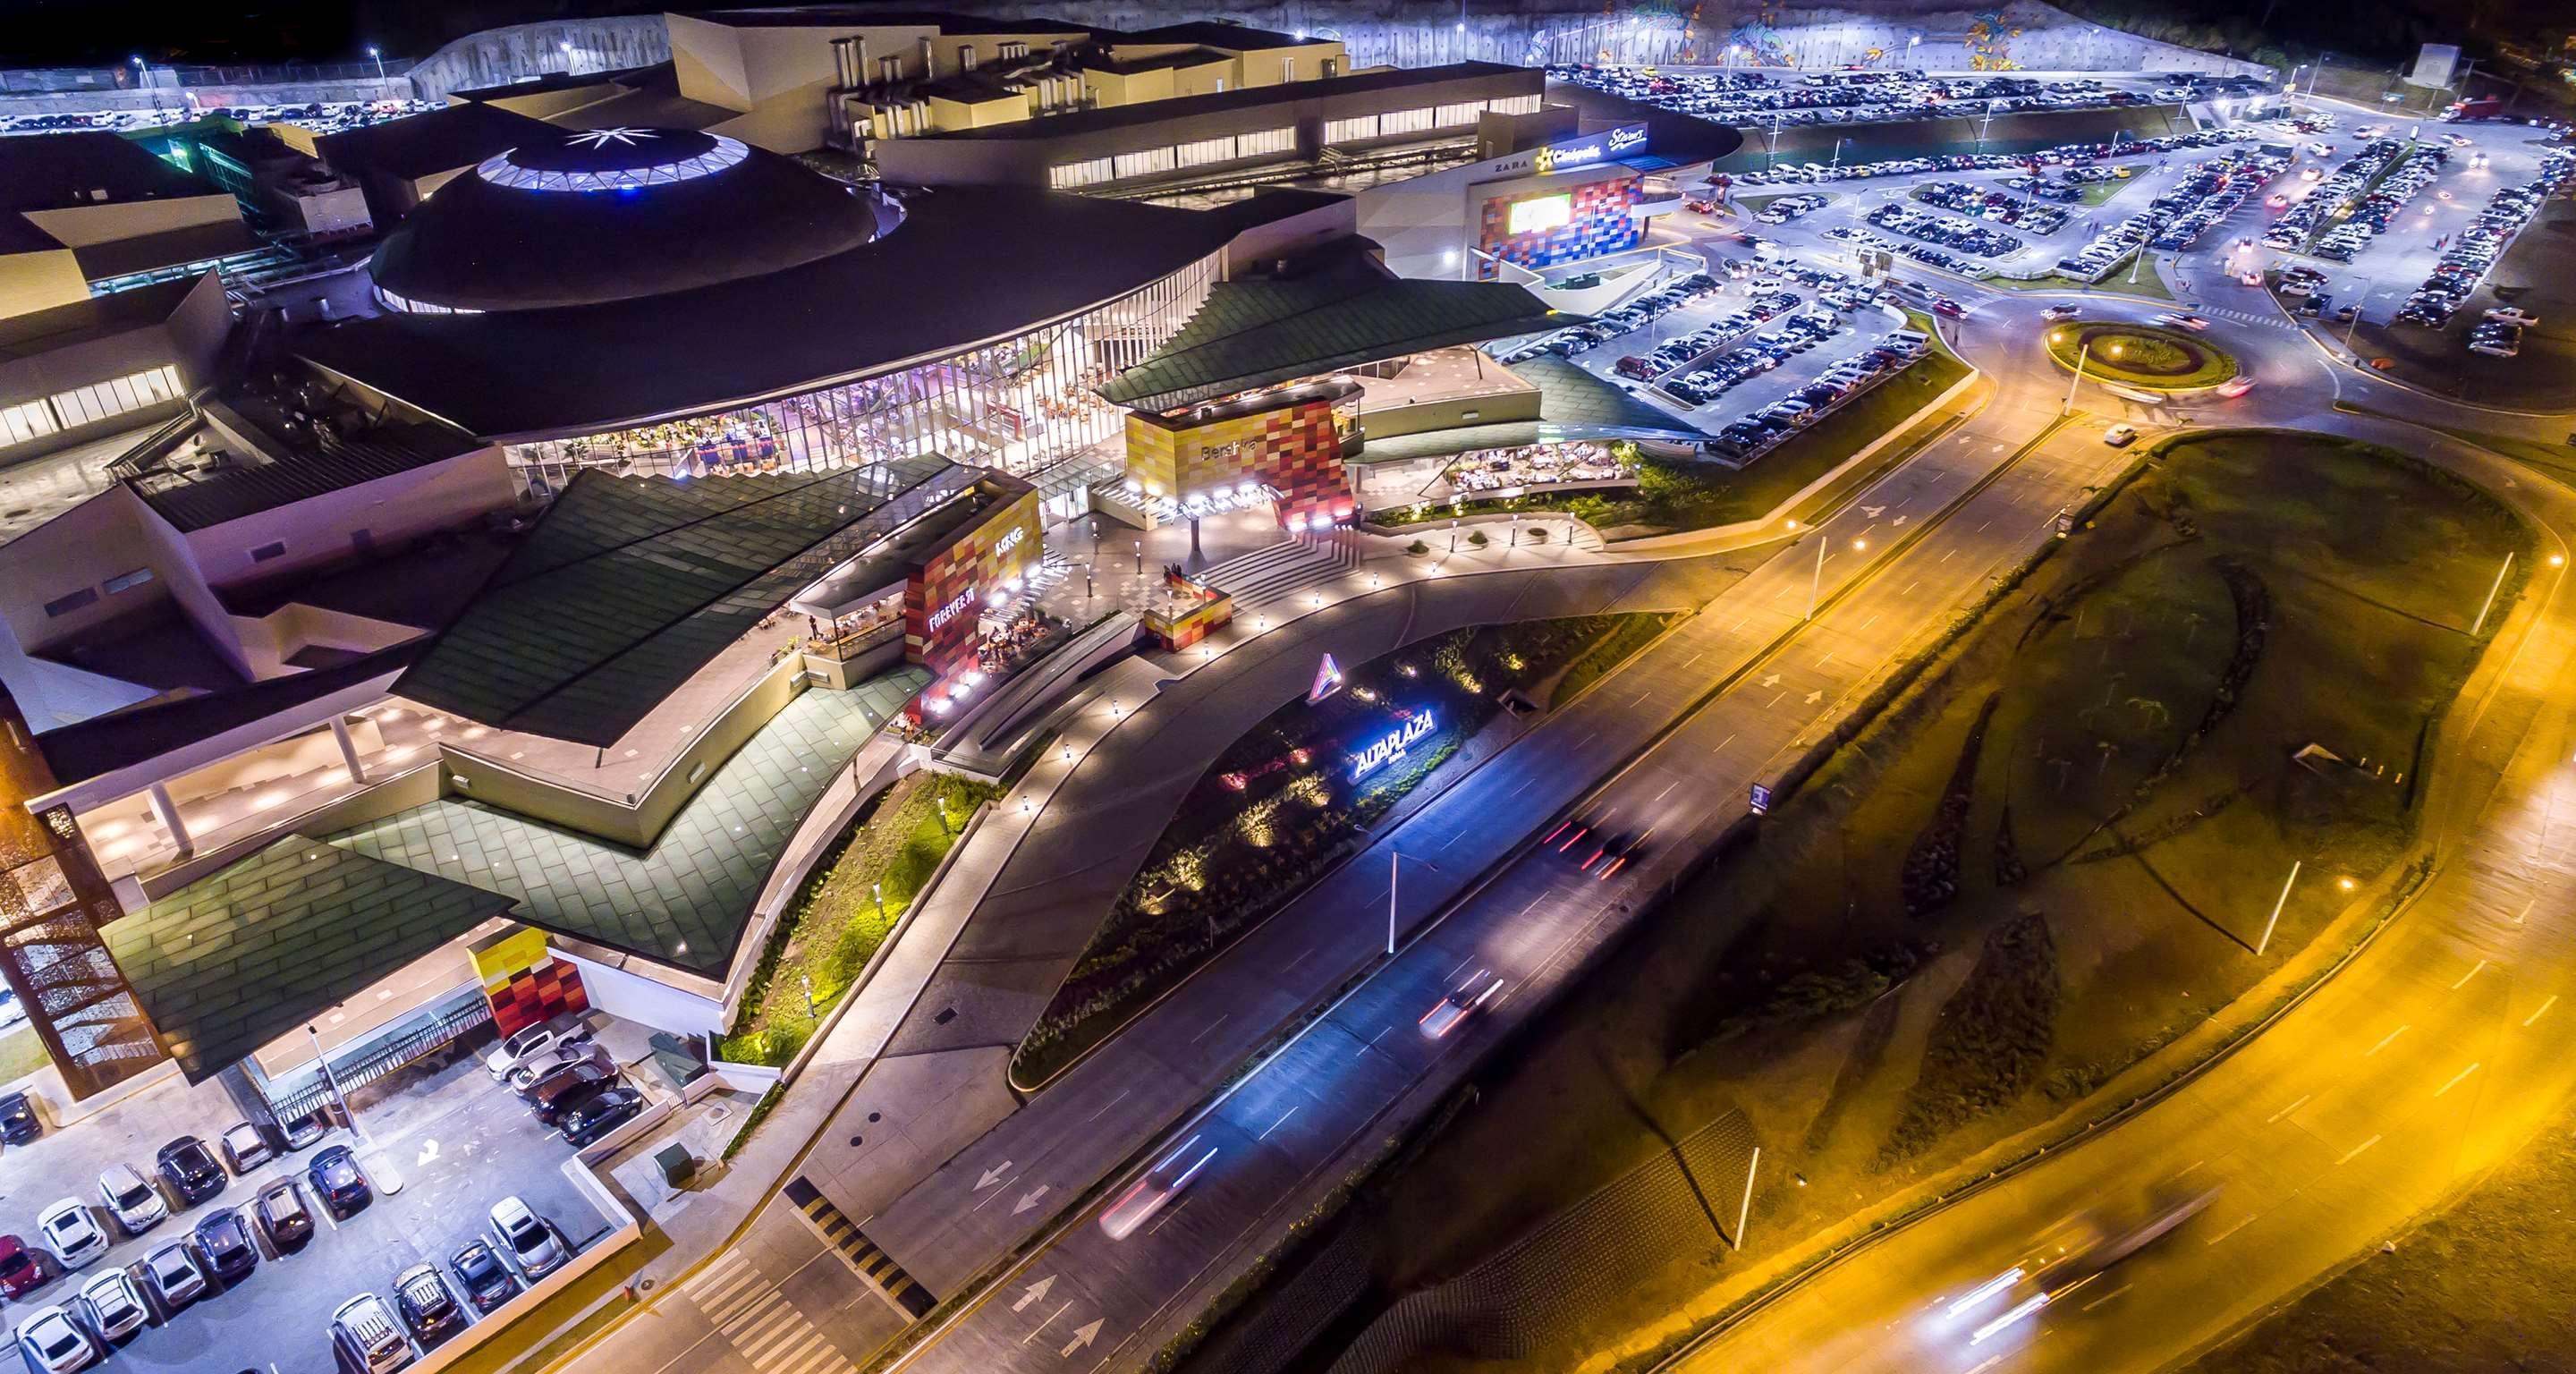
(1391, 746)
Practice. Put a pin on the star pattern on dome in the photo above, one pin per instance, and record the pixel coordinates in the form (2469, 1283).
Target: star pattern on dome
(601, 138)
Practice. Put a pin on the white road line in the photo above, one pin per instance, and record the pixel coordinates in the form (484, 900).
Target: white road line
(1668, 790)
(2455, 1080)
(1873, 619)
(1773, 701)
(1301, 958)
(2526, 910)
(2285, 1111)
(2543, 1010)
(2357, 1149)
(2097, 1302)
(1909, 590)
(1828, 658)
(1275, 1125)
(2232, 1230)
(2465, 977)
(1372, 1043)
(1212, 1025)
(1721, 744)
(1947, 556)
(1105, 1106)
(2383, 1040)
(1041, 1326)
(1686, 663)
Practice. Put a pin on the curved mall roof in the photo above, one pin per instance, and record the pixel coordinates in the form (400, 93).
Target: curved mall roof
(591, 216)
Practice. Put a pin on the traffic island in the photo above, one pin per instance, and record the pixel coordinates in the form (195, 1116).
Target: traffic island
(2141, 356)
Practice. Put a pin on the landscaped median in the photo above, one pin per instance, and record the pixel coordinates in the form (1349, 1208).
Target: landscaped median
(1296, 795)
(850, 902)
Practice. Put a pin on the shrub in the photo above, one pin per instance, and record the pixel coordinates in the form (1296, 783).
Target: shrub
(1477, 538)
(1417, 548)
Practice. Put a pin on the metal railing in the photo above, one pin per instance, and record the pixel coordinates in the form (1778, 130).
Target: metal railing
(384, 1058)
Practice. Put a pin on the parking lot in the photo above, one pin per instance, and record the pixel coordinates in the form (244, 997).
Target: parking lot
(1749, 96)
(458, 1139)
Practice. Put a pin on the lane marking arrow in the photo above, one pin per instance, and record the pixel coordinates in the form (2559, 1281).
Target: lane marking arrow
(1037, 1293)
(1771, 681)
(1815, 696)
(1029, 1199)
(992, 1176)
(1083, 1335)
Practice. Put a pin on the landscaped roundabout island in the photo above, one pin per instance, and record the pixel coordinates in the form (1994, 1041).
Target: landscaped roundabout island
(2139, 355)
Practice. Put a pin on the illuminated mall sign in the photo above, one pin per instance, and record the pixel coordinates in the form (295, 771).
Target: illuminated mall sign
(1605, 146)
(1391, 745)
(949, 612)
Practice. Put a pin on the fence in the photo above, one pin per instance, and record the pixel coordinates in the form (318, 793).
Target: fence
(408, 1048)
(61, 80)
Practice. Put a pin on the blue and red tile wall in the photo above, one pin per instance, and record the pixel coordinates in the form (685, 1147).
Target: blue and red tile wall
(1600, 223)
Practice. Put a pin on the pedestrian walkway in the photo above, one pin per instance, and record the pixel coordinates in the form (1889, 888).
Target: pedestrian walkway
(758, 1321)
(2272, 320)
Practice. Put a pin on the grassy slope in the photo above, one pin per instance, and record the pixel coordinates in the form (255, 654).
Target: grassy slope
(2484, 1286)
(2356, 558)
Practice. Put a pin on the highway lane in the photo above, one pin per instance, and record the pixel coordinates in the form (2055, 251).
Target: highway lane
(2439, 1051)
(1286, 1128)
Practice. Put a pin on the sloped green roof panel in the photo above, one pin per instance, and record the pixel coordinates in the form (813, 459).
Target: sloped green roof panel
(1258, 333)
(247, 954)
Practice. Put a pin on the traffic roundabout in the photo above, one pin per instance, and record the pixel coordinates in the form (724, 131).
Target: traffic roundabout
(2148, 357)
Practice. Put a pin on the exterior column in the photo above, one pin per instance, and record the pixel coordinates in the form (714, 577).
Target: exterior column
(348, 748)
(168, 811)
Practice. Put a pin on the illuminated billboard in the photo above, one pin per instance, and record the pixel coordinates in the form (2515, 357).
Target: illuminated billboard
(1540, 213)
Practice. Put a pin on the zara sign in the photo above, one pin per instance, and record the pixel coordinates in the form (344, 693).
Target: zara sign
(1391, 746)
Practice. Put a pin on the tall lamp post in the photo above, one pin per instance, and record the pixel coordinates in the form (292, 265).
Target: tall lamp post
(1816, 586)
(1394, 860)
(378, 55)
(2081, 355)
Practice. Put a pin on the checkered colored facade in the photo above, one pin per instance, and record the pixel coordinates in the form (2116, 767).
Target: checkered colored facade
(1601, 222)
(1295, 450)
(525, 982)
(944, 599)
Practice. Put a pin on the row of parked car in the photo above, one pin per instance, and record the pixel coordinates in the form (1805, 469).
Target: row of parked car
(372, 1336)
(1612, 324)
(2341, 186)
(1757, 355)
(1974, 239)
(2468, 260)
(1921, 252)
(1739, 96)
(2210, 194)
(1757, 433)
(1981, 202)
(1766, 304)
(568, 1080)
(2380, 207)
(1783, 209)
(2075, 158)
(330, 117)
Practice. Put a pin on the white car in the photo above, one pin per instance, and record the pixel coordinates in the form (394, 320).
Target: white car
(2181, 321)
(527, 1239)
(113, 1305)
(2120, 436)
(1159, 1186)
(135, 1203)
(1446, 1013)
(2513, 315)
(69, 1232)
(2060, 312)
(54, 1344)
(533, 1041)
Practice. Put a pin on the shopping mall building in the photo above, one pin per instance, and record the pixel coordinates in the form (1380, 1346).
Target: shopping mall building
(573, 592)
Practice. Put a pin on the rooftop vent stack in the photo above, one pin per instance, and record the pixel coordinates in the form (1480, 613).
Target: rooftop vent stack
(965, 57)
(889, 70)
(929, 59)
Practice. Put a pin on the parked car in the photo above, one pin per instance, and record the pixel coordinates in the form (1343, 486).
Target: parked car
(534, 1040)
(54, 1344)
(553, 1061)
(131, 1199)
(20, 1270)
(609, 1109)
(18, 1123)
(223, 1239)
(368, 1341)
(191, 1169)
(112, 1306)
(527, 1239)
(427, 1307)
(283, 1215)
(562, 1092)
(176, 1277)
(2120, 436)
(337, 1181)
(70, 1233)
(488, 1282)
(246, 1147)
(306, 1129)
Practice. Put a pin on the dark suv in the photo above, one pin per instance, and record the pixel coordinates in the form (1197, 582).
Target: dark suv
(607, 1110)
(191, 1169)
(336, 1180)
(223, 1238)
(488, 1282)
(427, 1307)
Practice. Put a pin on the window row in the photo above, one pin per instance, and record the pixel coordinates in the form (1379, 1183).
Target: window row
(85, 404)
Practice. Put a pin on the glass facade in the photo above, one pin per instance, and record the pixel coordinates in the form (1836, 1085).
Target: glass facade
(1021, 405)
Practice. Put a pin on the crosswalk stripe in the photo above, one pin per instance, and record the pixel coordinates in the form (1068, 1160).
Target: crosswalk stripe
(772, 1343)
(752, 1315)
(798, 1354)
(730, 1293)
(726, 1310)
(719, 1270)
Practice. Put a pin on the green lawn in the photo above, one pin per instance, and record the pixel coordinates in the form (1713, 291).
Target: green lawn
(2483, 1285)
(2097, 192)
(2149, 282)
(2140, 355)
(2029, 872)
(21, 1053)
(845, 911)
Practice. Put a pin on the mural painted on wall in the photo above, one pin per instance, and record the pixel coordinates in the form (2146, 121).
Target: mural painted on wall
(525, 983)
(1538, 228)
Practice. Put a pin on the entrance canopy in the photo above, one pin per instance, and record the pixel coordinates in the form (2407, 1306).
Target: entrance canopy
(245, 955)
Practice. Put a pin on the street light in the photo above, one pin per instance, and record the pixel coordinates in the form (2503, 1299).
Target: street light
(1816, 585)
(2081, 355)
(379, 55)
(1393, 859)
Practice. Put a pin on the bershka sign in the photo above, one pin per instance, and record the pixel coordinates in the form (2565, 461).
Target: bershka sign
(1610, 143)
(949, 612)
(1391, 746)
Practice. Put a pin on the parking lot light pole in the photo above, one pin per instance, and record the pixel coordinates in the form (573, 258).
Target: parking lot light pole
(2081, 355)
(331, 1085)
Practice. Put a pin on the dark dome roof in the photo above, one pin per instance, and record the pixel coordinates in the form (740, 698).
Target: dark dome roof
(602, 215)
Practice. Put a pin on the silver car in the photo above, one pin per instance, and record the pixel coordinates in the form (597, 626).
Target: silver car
(131, 1199)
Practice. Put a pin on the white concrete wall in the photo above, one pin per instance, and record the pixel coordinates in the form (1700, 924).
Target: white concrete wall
(641, 999)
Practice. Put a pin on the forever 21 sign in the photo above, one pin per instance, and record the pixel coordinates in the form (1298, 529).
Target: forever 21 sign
(949, 612)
